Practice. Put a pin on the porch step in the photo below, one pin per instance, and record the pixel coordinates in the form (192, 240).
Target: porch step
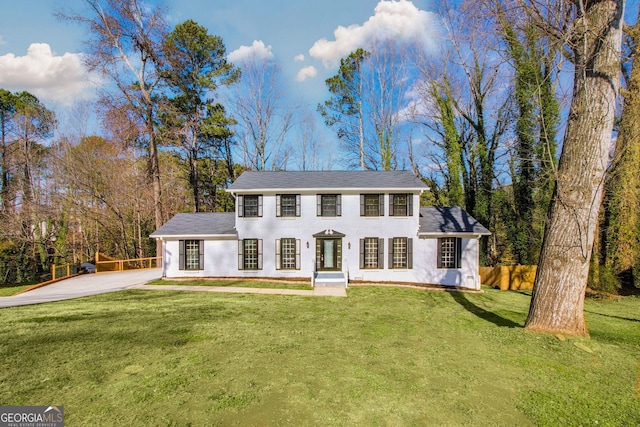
(329, 279)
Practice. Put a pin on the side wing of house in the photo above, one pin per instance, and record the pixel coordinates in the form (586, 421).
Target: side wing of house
(198, 245)
(449, 247)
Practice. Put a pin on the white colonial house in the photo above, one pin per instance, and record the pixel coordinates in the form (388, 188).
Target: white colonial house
(331, 227)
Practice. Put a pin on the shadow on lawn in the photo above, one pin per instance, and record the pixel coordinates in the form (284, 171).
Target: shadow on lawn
(461, 299)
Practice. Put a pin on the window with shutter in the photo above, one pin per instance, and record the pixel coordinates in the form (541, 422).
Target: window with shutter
(449, 252)
(191, 254)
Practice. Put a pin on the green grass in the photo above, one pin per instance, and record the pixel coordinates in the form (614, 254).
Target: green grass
(381, 357)
(7, 291)
(234, 283)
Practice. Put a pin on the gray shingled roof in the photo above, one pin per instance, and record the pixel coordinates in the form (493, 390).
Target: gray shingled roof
(443, 220)
(361, 180)
(198, 224)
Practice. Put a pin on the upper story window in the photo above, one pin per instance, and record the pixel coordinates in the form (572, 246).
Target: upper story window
(287, 205)
(371, 204)
(449, 252)
(250, 205)
(329, 205)
(401, 204)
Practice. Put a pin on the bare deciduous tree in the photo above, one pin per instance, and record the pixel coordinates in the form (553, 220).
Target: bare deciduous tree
(124, 45)
(264, 114)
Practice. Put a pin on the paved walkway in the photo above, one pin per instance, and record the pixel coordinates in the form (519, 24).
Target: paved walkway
(318, 291)
(94, 284)
(82, 286)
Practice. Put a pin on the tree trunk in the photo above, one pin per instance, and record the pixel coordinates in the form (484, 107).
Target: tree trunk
(557, 304)
(154, 171)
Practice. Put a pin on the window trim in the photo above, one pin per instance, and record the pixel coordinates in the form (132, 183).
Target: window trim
(408, 261)
(363, 254)
(408, 205)
(242, 254)
(182, 255)
(457, 255)
(279, 252)
(319, 205)
(242, 205)
(279, 206)
(363, 205)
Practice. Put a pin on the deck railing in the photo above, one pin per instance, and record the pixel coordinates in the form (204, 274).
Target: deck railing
(60, 271)
(104, 263)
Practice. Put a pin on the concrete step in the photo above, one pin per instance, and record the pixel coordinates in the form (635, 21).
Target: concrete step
(329, 279)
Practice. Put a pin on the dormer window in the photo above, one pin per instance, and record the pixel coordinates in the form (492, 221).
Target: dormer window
(250, 206)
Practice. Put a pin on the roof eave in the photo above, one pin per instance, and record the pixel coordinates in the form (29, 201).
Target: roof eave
(453, 233)
(194, 236)
(317, 189)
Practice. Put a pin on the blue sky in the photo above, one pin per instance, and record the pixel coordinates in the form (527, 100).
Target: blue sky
(40, 54)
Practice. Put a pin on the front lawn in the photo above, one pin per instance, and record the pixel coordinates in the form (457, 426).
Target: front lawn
(7, 291)
(382, 356)
(275, 284)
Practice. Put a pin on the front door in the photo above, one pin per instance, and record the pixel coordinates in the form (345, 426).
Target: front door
(328, 254)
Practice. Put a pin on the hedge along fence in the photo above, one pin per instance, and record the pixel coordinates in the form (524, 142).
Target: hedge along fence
(514, 277)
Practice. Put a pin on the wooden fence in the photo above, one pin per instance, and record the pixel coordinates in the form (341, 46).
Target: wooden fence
(60, 271)
(106, 263)
(515, 277)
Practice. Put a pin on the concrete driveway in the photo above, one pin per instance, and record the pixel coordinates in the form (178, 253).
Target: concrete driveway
(82, 286)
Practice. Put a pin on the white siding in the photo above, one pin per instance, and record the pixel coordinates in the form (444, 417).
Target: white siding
(221, 256)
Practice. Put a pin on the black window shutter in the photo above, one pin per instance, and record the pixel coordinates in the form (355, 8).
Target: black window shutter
(362, 253)
(391, 252)
(338, 204)
(458, 252)
(381, 204)
(380, 253)
(439, 243)
(181, 255)
(391, 213)
(278, 205)
(362, 202)
(409, 253)
(240, 254)
(410, 204)
(240, 205)
(318, 254)
(200, 254)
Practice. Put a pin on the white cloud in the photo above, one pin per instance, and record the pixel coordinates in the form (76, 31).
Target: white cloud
(257, 49)
(299, 58)
(391, 19)
(52, 78)
(306, 73)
